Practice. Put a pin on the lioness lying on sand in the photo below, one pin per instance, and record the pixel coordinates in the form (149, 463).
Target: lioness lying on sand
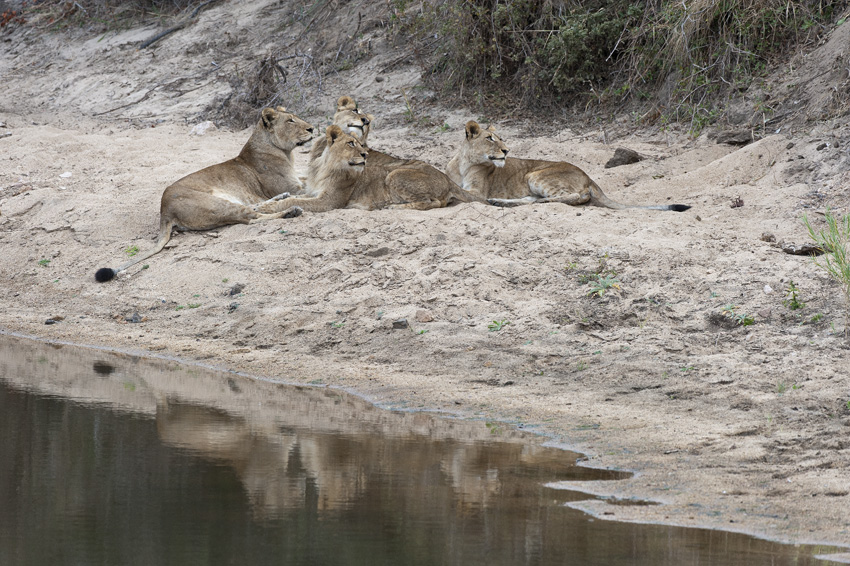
(482, 167)
(350, 120)
(386, 182)
(222, 194)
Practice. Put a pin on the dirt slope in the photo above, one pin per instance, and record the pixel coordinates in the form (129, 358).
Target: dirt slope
(741, 427)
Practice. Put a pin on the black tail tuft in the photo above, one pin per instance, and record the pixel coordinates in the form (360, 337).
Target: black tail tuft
(104, 274)
(679, 207)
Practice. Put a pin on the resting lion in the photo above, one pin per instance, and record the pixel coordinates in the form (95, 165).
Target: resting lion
(386, 182)
(350, 120)
(482, 167)
(222, 194)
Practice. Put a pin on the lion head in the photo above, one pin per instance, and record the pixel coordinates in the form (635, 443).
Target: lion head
(351, 119)
(344, 152)
(284, 129)
(484, 146)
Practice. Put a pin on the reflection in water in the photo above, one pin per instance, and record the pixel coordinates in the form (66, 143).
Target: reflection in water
(150, 462)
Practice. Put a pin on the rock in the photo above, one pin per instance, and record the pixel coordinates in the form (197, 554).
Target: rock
(736, 137)
(378, 252)
(400, 324)
(623, 156)
(203, 128)
(236, 289)
(54, 319)
(232, 307)
(135, 319)
(800, 249)
(423, 316)
(768, 237)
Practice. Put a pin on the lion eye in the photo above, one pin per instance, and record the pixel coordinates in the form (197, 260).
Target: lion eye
(351, 143)
(490, 138)
(291, 121)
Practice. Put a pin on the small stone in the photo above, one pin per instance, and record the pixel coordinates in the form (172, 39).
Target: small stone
(736, 137)
(801, 249)
(768, 237)
(822, 146)
(768, 289)
(400, 324)
(424, 316)
(135, 319)
(65, 175)
(232, 307)
(623, 156)
(378, 252)
(379, 78)
(236, 289)
(203, 128)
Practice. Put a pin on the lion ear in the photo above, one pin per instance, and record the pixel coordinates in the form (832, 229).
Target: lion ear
(491, 128)
(345, 103)
(281, 109)
(473, 130)
(333, 132)
(269, 114)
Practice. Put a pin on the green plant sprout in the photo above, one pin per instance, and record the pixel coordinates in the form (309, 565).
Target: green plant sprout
(792, 300)
(603, 284)
(741, 319)
(497, 325)
(834, 242)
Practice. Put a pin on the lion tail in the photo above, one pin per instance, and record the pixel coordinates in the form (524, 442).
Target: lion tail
(105, 274)
(599, 198)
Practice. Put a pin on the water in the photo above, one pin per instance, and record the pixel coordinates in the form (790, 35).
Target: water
(109, 459)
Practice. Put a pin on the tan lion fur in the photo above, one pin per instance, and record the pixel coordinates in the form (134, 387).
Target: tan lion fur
(482, 167)
(224, 193)
(387, 182)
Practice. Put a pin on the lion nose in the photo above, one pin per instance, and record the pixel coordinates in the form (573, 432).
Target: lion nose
(505, 151)
(364, 154)
(310, 129)
(365, 121)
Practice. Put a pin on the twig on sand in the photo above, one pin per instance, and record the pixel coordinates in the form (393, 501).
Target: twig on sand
(147, 43)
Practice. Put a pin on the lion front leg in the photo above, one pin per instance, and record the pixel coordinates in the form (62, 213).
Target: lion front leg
(290, 212)
(274, 199)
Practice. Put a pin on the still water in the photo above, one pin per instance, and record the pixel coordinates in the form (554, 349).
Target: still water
(112, 459)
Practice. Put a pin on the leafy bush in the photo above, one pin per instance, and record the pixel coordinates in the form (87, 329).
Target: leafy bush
(834, 239)
(570, 51)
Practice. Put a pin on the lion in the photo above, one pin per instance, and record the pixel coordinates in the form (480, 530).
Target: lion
(350, 120)
(481, 166)
(386, 182)
(224, 193)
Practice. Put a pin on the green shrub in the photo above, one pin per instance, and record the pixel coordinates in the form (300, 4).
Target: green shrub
(834, 239)
(527, 52)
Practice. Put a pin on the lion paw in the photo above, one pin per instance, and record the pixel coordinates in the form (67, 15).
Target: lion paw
(293, 212)
(501, 202)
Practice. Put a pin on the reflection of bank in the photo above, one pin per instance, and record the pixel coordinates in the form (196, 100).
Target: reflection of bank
(296, 468)
(292, 446)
